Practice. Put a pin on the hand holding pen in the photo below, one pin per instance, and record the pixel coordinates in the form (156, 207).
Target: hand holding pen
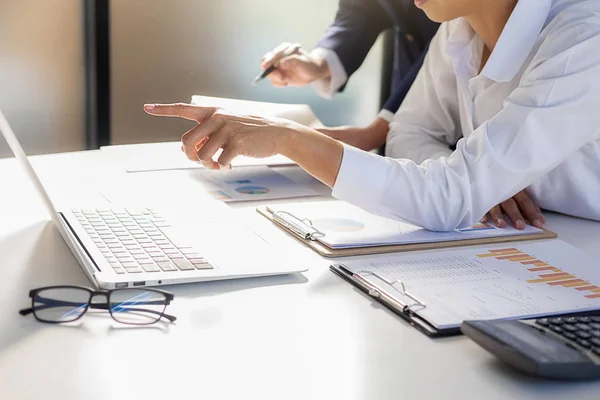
(289, 64)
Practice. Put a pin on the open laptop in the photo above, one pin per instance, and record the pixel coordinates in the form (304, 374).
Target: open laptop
(126, 247)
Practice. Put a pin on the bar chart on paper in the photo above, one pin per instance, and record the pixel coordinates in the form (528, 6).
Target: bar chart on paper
(548, 274)
(545, 278)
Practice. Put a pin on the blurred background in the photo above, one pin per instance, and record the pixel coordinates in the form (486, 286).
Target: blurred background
(159, 51)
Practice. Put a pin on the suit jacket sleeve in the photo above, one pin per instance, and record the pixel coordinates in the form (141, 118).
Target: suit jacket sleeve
(400, 90)
(357, 25)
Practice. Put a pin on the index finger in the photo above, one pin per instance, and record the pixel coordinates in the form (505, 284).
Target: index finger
(180, 110)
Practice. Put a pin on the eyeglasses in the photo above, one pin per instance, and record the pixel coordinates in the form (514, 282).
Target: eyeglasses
(59, 304)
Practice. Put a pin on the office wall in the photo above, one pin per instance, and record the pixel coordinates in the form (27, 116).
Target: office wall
(166, 51)
(41, 74)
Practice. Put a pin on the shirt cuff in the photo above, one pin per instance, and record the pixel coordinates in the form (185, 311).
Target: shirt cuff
(386, 115)
(327, 87)
(361, 178)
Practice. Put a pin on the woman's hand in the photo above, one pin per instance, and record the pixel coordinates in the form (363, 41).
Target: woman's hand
(218, 129)
(251, 136)
(519, 208)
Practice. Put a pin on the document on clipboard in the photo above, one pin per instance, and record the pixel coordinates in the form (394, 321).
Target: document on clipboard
(439, 290)
(336, 229)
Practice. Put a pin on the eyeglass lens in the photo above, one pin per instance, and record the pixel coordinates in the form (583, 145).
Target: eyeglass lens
(60, 304)
(137, 306)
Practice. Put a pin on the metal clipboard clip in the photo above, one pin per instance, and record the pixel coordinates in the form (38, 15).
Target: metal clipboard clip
(301, 227)
(397, 285)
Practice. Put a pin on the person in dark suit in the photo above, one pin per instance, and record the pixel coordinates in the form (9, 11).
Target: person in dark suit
(342, 50)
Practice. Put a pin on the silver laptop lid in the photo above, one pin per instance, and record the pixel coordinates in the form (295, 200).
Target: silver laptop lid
(21, 157)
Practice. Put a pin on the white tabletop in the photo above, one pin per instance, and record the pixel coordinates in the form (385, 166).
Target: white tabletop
(305, 336)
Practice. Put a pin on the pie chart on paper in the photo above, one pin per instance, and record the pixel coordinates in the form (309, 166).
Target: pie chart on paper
(253, 190)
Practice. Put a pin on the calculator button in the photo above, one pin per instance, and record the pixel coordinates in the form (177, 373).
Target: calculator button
(595, 333)
(570, 335)
(571, 320)
(584, 334)
(584, 343)
(597, 350)
(585, 320)
(556, 328)
(569, 328)
(583, 327)
(595, 342)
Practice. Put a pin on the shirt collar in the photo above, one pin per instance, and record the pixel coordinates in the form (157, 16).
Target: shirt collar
(514, 45)
(517, 39)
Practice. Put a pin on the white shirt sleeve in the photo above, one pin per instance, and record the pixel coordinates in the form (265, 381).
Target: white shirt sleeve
(328, 87)
(386, 115)
(551, 115)
(426, 123)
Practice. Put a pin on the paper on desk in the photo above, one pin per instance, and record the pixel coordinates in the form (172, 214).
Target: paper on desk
(251, 183)
(506, 281)
(347, 226)
(148, 157)
(300, 113)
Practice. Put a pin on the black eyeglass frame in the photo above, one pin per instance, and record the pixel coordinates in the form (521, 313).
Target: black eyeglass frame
(99, 306)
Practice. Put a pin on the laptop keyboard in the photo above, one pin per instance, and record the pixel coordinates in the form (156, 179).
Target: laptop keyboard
(132, 242)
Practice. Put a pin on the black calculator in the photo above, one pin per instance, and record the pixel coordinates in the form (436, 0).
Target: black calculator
(566, 348)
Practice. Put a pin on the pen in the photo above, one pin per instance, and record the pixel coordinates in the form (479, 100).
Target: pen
(266, 72)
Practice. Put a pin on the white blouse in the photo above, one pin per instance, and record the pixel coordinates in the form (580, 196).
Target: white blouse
(531, 120)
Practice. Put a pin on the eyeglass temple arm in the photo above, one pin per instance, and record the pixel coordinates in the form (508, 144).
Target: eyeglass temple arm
(50, 303)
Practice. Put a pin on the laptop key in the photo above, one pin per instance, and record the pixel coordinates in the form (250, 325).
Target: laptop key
(182, 264)
(203, 265)
(166, 266)
(134, 270)
(150, 268)
(119, 270)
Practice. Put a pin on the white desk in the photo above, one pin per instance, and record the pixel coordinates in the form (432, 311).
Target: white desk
(309, 336)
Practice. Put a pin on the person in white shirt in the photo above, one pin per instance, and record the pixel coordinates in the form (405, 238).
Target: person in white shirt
(516, 82)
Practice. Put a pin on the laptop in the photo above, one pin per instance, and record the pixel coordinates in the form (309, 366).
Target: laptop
(137, 246)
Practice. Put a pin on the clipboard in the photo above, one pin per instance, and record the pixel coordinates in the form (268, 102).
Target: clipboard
(305, 232)
(407, 310)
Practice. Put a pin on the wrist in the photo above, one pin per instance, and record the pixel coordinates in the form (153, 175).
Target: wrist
(321, 64)
(285, 141)
(376, 134)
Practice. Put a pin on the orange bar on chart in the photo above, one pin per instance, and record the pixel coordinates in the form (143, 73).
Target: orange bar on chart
(537, 263)
(554, 275)
(516, 257)
(505, 250)
(545, 280)
(569, 283)
(593, 296)
(591, 287)
(541, 269)
(508, 253)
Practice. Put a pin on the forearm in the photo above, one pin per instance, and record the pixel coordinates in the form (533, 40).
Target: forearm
(377, 133)
(317, 154)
